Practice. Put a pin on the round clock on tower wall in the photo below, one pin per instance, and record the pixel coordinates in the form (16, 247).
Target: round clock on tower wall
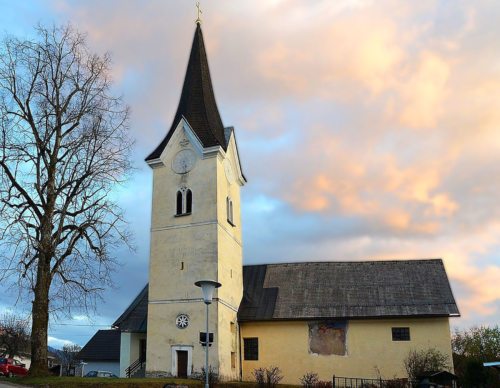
(183, 161)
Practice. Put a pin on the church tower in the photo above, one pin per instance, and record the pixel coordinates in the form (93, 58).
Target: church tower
(195, 233)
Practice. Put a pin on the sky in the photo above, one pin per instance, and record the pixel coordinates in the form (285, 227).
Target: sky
(367, 129)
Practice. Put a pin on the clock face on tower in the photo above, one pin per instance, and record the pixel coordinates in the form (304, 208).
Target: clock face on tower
(183, 161)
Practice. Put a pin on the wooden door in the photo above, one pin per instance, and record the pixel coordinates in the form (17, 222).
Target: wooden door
(182, 363)
(142, 350)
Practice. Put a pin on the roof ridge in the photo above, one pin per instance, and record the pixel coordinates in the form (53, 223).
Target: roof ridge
(436, 259)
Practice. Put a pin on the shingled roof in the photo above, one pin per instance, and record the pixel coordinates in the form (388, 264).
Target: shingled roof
(197, 104)
(364, 289)
(135, 317)
(103, 346)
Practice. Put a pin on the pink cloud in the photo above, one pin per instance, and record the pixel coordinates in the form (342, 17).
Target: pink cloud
(384, 112)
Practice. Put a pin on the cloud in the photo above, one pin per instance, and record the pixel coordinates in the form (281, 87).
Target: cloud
(58, 343)
(424, 92)
(367, 129)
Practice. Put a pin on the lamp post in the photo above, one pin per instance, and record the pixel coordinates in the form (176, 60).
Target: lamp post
(207, 287)
(83, 366)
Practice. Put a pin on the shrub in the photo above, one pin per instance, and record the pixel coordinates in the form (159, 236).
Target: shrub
(273, 376)
(260, 376)
(323, 384)
(471, 348)
(309, 380)
(267, 377)
(213, 376)
(475, 374)
(418, 362)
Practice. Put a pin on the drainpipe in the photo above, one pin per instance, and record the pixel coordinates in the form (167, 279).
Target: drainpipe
(239, 352)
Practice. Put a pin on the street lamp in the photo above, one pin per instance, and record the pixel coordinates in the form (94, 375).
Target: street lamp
(208, 287)
(83, 366)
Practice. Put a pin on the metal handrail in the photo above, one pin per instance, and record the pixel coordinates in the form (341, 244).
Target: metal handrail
(134, 367)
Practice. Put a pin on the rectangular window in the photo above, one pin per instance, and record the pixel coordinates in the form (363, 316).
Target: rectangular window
(233, 360)
(234, 337)
(251, 348)
(229, 210)
(400, 333)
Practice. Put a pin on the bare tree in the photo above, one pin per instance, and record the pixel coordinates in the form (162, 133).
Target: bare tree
(64, 145)
(69, 357)
(14, 338)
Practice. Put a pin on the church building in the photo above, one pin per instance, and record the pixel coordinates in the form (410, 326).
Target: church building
(354, 319)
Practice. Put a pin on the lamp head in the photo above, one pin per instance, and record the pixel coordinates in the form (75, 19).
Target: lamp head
(208, 287)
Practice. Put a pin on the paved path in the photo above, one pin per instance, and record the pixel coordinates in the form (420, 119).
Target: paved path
(7, 384)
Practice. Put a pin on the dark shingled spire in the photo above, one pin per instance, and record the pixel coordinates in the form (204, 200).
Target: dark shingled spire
(197, 103)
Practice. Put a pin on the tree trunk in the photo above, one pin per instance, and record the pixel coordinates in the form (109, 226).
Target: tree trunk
(40, 314)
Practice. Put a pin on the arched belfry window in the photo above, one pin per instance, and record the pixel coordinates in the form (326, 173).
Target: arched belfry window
(179, 203)
(189, 201)
(229, 211)
(184, 202)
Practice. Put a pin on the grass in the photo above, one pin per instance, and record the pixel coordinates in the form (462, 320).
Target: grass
(95, 382)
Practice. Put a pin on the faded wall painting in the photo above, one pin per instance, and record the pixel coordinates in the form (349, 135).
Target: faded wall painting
(327, 338)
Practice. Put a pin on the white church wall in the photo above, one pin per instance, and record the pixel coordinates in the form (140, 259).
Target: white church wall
(129, 350)
(125, 344)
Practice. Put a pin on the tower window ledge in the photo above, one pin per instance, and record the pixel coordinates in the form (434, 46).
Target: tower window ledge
(231, 223)
(182, 215)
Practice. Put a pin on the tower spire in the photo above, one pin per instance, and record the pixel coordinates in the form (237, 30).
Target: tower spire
(197, 103)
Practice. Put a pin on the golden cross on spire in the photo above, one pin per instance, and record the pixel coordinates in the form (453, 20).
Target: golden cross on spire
(198, 20)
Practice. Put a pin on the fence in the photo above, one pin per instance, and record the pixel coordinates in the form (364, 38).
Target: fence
(358, 382)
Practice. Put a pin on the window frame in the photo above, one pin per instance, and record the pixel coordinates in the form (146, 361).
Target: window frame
(251, 349)
(229, 211)
(183, 202)
(401, 333)
(189, 201)
(178, 203)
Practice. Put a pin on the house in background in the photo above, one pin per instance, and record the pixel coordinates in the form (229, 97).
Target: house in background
(102, 352)
(353, 319)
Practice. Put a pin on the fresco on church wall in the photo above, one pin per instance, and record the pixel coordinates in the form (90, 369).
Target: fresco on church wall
(327, 338)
